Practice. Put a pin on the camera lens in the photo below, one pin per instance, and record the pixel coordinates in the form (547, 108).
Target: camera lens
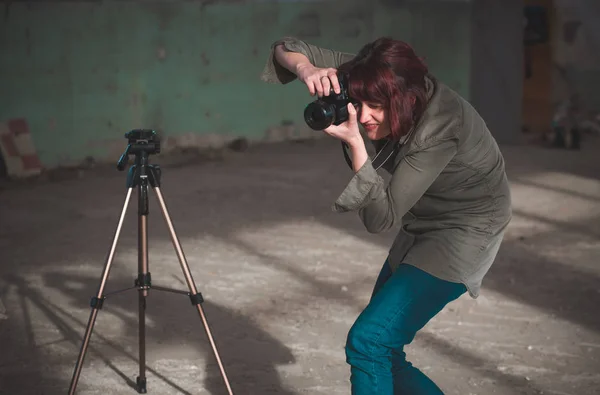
(319, 115)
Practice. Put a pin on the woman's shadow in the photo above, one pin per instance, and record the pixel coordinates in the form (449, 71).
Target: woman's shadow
(249, 354)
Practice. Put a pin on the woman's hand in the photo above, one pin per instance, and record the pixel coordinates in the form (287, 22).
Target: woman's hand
(347, 131)
(318, 80)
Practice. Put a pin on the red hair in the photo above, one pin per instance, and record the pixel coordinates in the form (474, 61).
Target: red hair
(389, 73)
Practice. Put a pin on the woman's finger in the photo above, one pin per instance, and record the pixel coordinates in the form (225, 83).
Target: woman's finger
(311, 87)
(326, 85)
(335, 83)
(318, 86)
(351, 115)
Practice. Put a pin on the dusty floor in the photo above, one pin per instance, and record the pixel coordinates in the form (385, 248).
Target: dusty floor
(284, 278)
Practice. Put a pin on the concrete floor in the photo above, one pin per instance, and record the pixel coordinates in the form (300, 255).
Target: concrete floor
(284, 278)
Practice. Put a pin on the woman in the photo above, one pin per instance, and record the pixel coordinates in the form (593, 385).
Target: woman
(448, 189)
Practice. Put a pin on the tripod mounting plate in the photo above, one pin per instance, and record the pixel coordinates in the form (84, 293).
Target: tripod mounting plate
(141, 142)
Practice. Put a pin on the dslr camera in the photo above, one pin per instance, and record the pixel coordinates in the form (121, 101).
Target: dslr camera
(330, 110)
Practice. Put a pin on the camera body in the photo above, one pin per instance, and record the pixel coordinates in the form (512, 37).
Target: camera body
(329, 110)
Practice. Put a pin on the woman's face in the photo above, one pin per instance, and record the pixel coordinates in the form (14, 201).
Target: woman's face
(373, 119)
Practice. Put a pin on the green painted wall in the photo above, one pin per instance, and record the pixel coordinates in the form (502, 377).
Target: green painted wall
(84, 73)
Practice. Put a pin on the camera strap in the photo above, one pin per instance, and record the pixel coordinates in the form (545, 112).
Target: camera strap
(388, 151)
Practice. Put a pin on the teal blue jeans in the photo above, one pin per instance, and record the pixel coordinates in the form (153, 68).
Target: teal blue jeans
(401, 304)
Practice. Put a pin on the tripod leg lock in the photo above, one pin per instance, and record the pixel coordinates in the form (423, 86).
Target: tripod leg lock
(196, 299)
(96, 302)
(144, 280)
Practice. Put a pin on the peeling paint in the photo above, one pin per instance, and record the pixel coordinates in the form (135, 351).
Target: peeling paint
(306, 25)
(205, 59)
(357, 22)
(107, 80)
(161, 53)
(111, 87)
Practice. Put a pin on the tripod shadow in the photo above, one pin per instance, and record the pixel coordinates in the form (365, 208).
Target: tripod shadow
(249, 354)
(56, 316)
(20, 370)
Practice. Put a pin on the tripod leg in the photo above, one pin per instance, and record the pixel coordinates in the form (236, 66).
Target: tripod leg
(99, 298)
(143, 283)
(196, 297)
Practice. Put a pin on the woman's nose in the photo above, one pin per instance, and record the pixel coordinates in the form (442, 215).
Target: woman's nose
(363, 115)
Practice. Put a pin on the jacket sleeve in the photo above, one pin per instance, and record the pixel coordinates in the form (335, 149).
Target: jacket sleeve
(380, 207)
(273, 72)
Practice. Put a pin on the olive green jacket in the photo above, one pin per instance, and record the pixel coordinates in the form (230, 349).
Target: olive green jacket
(448, 189)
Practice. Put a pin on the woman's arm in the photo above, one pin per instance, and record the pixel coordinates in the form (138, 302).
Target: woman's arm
(380, 207)
(316, 56)
(411, 179)
(318, 80)
(291, 60)
(285, 56)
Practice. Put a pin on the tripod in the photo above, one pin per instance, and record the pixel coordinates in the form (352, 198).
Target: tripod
(143, 143)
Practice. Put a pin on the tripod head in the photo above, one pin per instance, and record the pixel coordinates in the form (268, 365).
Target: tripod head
(141, 143)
